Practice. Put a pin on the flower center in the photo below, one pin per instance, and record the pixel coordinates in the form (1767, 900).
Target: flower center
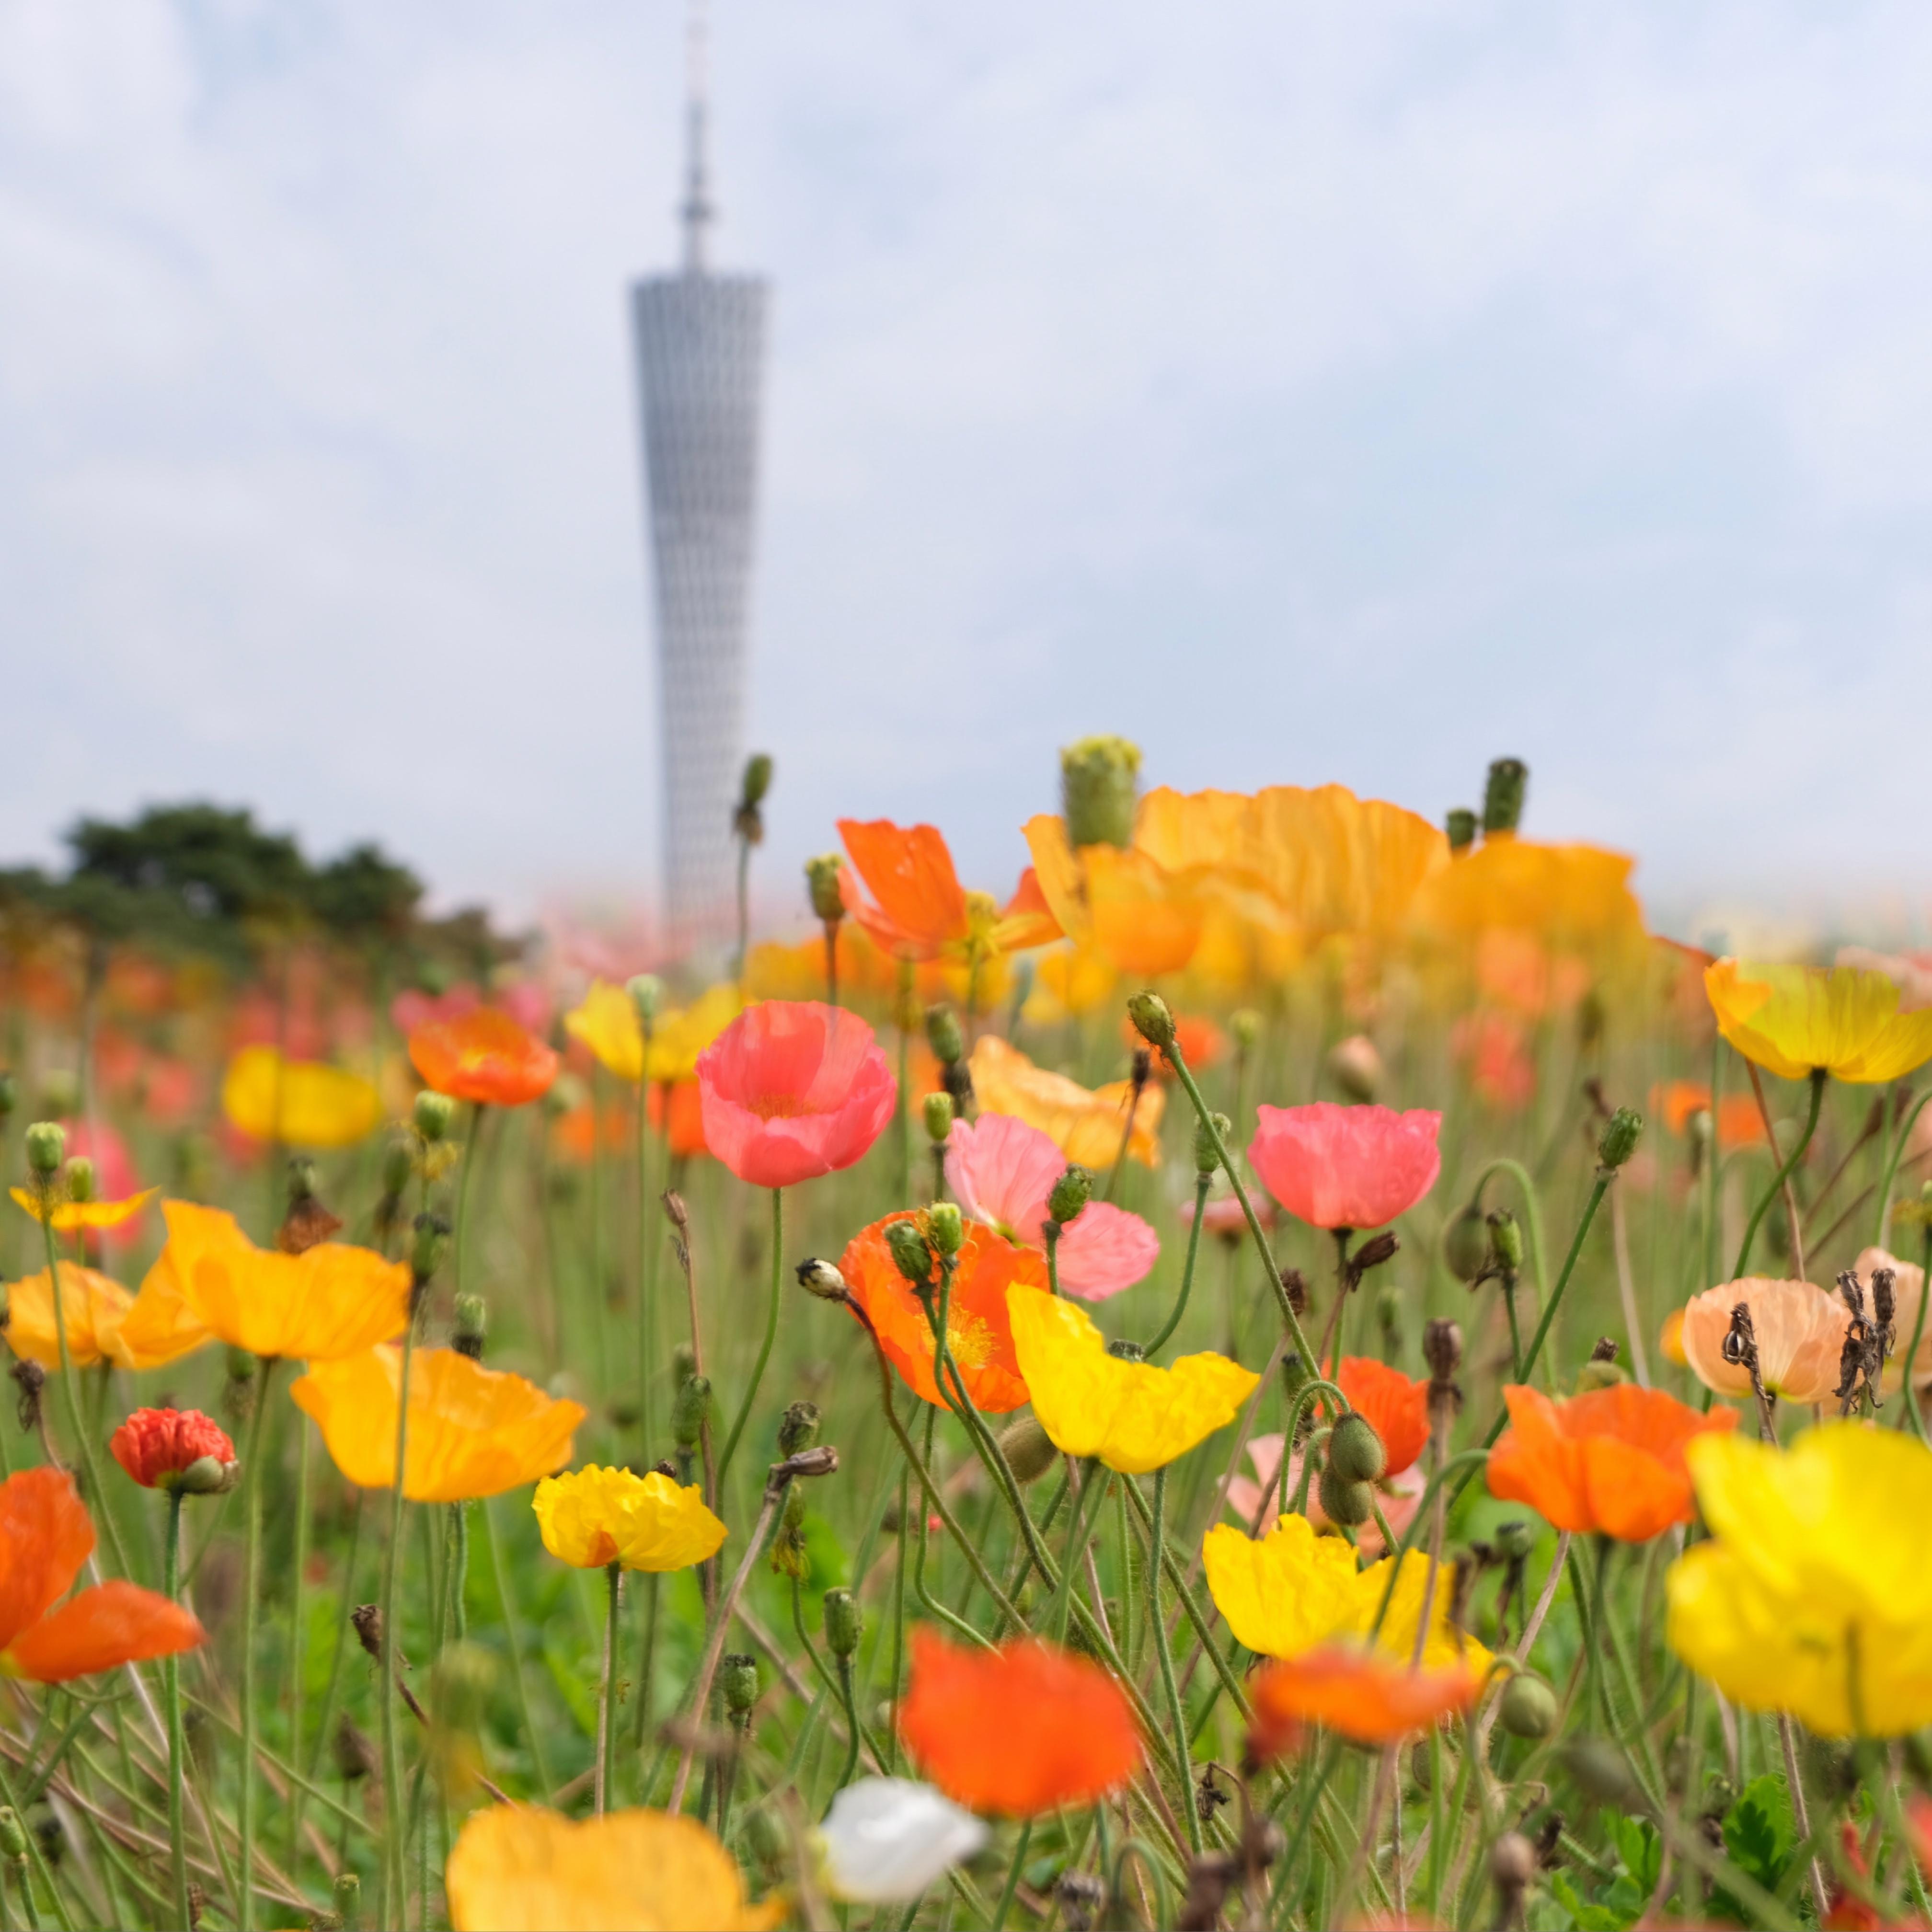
(969, 1339)
(777, 1107)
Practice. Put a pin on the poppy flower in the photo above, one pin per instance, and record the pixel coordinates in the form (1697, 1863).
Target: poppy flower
(681, 1035)
(607, 1022)
(45, 1537)
(1573, 896)
(1679, 1102)
(302, 1103)
(1670, 1339)
(1799, 1329)
(1201, 1043)
(685, 1108)
(979, 1334)
(1908, 1289)
(1018, 1731)
(1125, 905)
(67, 1217)
(791, 1089)
(1397, 1404)
(593, 1517)
(157, 1446)
(1813, 1595)
(160, 1326)
(1294, 1590)
(92, 1307)
(1133, 1416)
(473, 1432)
(518, 1865)
(1223, 1215)
(1002, 1172)
(484, 1057)
(1795, 1020)
(921, 910)
(333, 1301)
(887, 1839)
(1256, 1501)
(1086, 1126)
(1368, 1696)
(1611, 1461)
(1346, 1167)
(1069, 982)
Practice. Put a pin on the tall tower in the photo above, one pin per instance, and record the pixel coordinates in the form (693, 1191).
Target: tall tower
(700, 340)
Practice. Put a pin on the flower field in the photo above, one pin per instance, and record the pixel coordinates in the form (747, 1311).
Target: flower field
(1297, 1366)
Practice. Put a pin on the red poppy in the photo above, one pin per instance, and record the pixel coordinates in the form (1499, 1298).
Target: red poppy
(484, 1056)
(154, 1444)
(1612, 1460)
(1020, 1730)
(979, 1332)
(1365, 1695)
(1346, 1167)
(45, 1537)
(792, 1089)
(1397, 1404)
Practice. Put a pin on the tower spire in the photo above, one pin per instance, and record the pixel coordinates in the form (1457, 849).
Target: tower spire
(698, 212)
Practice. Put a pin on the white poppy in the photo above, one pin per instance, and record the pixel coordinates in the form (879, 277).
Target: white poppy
(887, 1839)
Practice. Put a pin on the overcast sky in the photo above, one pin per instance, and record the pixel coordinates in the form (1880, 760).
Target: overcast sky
(1309, 391)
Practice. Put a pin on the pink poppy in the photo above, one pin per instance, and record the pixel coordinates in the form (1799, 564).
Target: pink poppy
(1346, 1167)
(1223, 1215)
(1001, 1172)
(792, 1089)
(1399, 1496)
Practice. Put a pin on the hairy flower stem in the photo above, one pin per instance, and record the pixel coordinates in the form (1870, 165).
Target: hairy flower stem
(251, 1592)
(177, 1742)
(1164, 1652)
(394, 1821)
(1784, 1173)
(1895, 1152)
(857, 1736)
(771, 1335)
(1201, 1184)
(607, 1706)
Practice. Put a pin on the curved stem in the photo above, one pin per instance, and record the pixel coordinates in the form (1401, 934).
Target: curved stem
(1532, 1202)
(1163, 1651)
(771, 1335)
(1783, 1174)
(251, 1592)
(647, 1256)
(1605, 1175)
(1012, 1877)
(1201, 1184)
(177, 1743)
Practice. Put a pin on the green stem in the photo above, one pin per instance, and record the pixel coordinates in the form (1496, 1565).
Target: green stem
(1201, 1184)
(765, 1347)
(507, 1604)
(299, 1641)
(177, 1744)
(1532, 1202)
(1713, 1235)
(606, 1712)
(251, 1591)
(1605, 1175)
(646, 1667)
(469, 1140)
(394, 1820)
(82, 1437)
(1783, 1174)
(1896, 1154)
(1911, 1405)
(1156, 1539)
(647, 1257)
(328, 1710)
(1012, 1877)
(846, 1697)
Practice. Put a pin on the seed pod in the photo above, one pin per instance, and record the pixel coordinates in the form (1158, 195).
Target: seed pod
(1515, 1539)
(46, 1148)
(1028, 1449)
(691, 1410)
(1071, 1193)
(821, 887)
(1503, 795)
(1345, 1503)
(1528, 1708)
(844, 1622)
(1620, 1137)
(943, 1034)
(799, 1428)
(946, 1227)
(910, 1253)
(472, 1326)
(1460, 823)
(1355, 1451)
(1098, 777)
(738, 1679)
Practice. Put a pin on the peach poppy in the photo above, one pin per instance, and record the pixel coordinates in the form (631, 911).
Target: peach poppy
(918, 909)
(1396, 1404)
(1018, 1731)
(1610, 1461)
(1365, 1695)
(484, 1057)
(1346, 1167)
(1002, 1172)
(1908, 1289)
(96, 1311)
(793, 1089)
(45, 1537)
(1798, 1327)
(1085, 1125)
(978, 1330)
(156, 1446)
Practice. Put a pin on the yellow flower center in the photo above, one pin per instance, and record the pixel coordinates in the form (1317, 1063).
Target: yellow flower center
(969, 1338)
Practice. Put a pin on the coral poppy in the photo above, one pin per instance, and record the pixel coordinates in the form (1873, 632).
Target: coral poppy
(1795, 1020)
(157, 1446)
(473, 1432)
(302, 1103)
(1611, 1461)
(979, 1334)
(1001, 1172)
(1133, 1416)
(1799, 1329)
(922, 912)
(1017, 1731)
(484, 1057)
(593, 1517)
(887, 1839)
(67, 1217)
(1086, 1126)
(1368, 1696)
(793, 1089)
(333, 1301)
(607, 1022)
(1223, 1215)
(1346, 1167)
(1814, 1596)
(1293, 1590)
(45, 1537)
(1256, 1501)
(516, 1865)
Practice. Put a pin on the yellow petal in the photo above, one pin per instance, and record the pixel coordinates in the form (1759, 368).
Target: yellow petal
(160, 1327)
(92, 1307)
(679, 1037)
(1793, 1019)
(1283, 1594)
(67, 1216)
(1086, 1126)
(297, 1102)
(607, 1023)
(594, 1516)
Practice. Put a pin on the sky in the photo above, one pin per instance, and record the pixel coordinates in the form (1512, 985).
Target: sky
(1307, 392)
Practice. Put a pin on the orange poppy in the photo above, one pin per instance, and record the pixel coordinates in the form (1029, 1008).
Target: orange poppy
(45, 1537)
(922, 912)
(483, 1056)
(1018, 1731)
(1367, 1695)
(1201, 1043)
(1396, 1404)
(1739, 1123)
(979, 1332)
(1610, 1461)
(687, 1117)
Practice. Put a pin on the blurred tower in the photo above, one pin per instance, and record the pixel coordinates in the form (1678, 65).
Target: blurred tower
(700, 340)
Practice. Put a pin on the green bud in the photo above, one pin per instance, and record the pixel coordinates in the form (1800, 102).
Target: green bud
(472, 1326)
(12, 1835)
(205, 1476)
(60, 1094)
(348, 1900)
(1152, 1020)
(844, 1622)
(691, 1410)
(646, 992)
(764, 1838)
(757, 781)
(435, 1115)
(10, 1094)
(936, 1110)
(1620, 1137)
(1294, 1375)
(1506, 1238)
(738, 1679)
(1503, 795)
(1465, 1244)
(911, 1255)
(1246, 1026)
(431, 1244)
(943, 1034)
(1460, 825)
(1528, 1707)
(1597, 1374)
(821, 881)
(1028, 1449)
(46, 1148)
(1071, 1193)
(1600, 1771)
(79, 1178)
(947, 1227)
(1207, 1162)
(399, 1162)
(798, 1428)
(1098, 779)
(1355, 1451)
(1515, 1539)
(1349, 1503)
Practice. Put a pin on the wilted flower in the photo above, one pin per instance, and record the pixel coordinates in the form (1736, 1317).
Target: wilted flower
(887, 1839)
(593, 1517)
(1346, 1167)
(1799, 1329)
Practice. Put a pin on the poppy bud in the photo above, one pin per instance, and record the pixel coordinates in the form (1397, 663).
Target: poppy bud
(646, 992)
(399, 1162)
(1442, 1350)
(1206, 1160)
(46, 1148)
(348, 1900)
(1028, 1449)
(946, 1227)
(1345, 1502)
(820, 1460)
(435, 1115)
(798, 1429)
(943, 1034)
(1152, 1019)
(1460, 825)
(821, 1279)
(60, 1094)
(1465, 1244)
(1294, 1375)
(1098, 777)
(844, 1622)
(1620, 1137)
(10, 1094)
(1356, 1067)
(1506, 1238)
(472, 1324)
(911, 1255)
(937, 1111)
(79, 1178)
(432, 1243)
(206, 1476)
(13, 1838)
(758, 769)
(1528, 1708)
(1503, 795)
(821, 881)
(1599, 1373)
(738, 1680)
(1372, 1254)
(1355, 1451)
(1600, 1772)
(1071, 1193)
(1515, 1539)
(1245, 1026)
(691, 1410)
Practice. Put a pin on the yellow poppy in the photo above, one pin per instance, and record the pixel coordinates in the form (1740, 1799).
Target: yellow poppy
(160, 1326)
(681, 1035)
(1133, 1416)
(1792, 1020)
(1576, 896)
(473, 1432)
(593, 1517)
(1294, 1591)
(334, 1301)
(1815, 1597)
(1068, 982)
(514, 1865)
(1123, 904)
(67, 1216)
(301, 1103)
(1084, 1125)
(607, 1023)
(93, 1307)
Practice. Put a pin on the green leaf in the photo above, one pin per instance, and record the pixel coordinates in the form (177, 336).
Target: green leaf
(1585, 1916)
(1641, 1850)
(1759, 1835)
